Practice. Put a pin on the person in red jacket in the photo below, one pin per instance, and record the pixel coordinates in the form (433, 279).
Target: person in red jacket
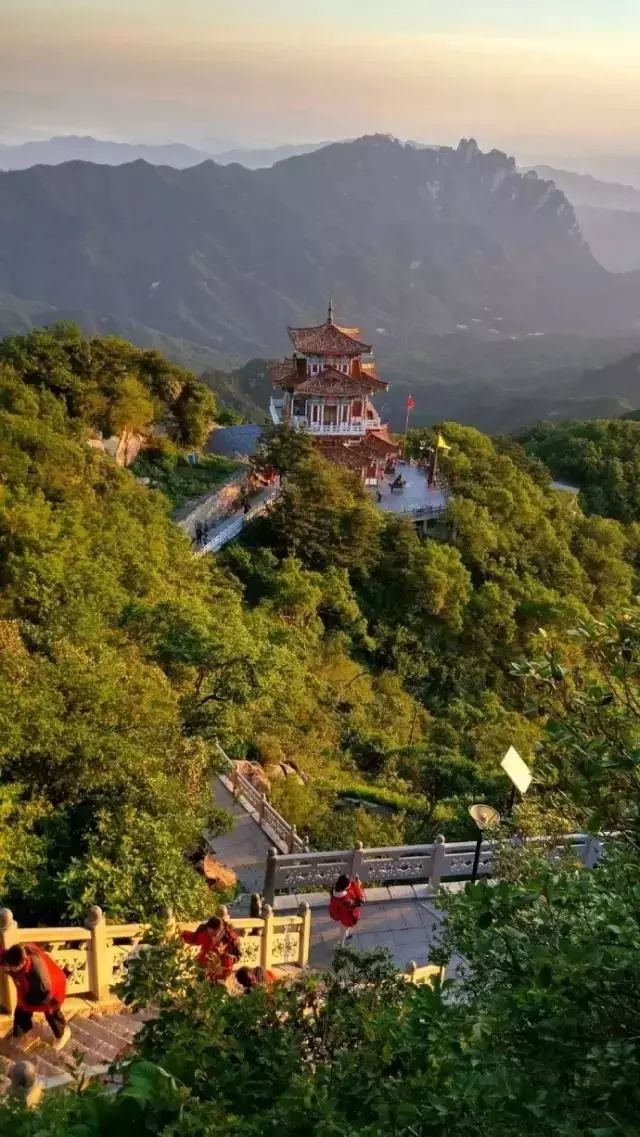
(347, 897)
(252, 977)
(219, 948)
(41, 986)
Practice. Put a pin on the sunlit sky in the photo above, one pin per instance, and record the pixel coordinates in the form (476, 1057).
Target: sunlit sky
(534, 77)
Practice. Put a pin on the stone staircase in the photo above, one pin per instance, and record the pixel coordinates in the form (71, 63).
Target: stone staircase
(96, 1041)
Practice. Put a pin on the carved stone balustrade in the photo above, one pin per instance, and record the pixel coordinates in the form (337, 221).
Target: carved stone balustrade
(95, 955)
(432, 864)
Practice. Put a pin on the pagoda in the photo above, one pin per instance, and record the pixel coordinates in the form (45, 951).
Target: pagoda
(327, 389)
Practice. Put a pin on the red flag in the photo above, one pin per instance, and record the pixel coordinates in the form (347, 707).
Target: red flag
(410, 402)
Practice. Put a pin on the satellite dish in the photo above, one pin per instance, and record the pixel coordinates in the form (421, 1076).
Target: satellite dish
(485, 816)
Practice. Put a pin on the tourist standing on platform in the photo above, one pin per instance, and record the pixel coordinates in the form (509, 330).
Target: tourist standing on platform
(41, 986)
(347, 897)
(219, 947)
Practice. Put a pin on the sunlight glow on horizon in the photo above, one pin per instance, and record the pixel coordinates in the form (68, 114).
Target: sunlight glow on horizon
(425, 69)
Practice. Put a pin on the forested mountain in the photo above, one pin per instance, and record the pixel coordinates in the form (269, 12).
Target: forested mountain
(409, 241)
(331, 640)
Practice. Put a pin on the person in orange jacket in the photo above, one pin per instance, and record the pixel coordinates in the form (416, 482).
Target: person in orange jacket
(345, 902)
(252, 977)
(41, 987)
(219, 947)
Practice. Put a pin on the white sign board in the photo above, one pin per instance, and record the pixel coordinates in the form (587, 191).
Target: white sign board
(517, 770)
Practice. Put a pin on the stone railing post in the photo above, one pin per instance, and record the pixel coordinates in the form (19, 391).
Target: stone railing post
(355, 865)
(305, 934)
(266, 942)
(437, 862)
(261, 810)
(410, 971)
(8, 937)
(235, 782)
(292, 839)
(26, 1086)
(169, 923)
(269, 889)
(255, 906)
(591, 853)
(99, 962)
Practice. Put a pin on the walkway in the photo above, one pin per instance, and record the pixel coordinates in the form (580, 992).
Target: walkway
(401, 919)
(230, 527)
(406, 928)
(244, 849)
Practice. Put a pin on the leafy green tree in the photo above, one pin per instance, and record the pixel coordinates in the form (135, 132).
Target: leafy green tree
(589, 760)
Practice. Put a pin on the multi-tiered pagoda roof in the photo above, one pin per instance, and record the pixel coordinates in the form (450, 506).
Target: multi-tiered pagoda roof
(327, 387)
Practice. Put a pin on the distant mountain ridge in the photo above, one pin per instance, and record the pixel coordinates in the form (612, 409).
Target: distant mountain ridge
(434, 252)
(608, 214)
(76, 148)
(409, 241)
(84, 148)
(583, 189)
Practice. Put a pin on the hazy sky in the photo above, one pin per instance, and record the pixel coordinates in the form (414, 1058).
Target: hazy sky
(530, 76)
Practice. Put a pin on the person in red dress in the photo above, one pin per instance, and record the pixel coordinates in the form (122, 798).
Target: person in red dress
(345, 903)
(219, 948)
(41, 986)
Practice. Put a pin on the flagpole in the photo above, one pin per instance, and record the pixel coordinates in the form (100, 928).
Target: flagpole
(410, 406)
(406, 424)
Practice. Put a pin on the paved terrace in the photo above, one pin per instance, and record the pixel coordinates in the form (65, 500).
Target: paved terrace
(400, 918)
(415, 498)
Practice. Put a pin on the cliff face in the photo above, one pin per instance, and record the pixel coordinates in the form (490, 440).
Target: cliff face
(409, 241)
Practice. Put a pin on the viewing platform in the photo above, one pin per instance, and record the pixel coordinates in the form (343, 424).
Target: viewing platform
(416, 500)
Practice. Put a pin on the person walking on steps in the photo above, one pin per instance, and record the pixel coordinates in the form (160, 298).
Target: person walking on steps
(345, 902)
(41, 986)
(219, 947)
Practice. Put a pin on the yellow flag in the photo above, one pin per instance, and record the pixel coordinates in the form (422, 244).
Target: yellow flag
(441, 444)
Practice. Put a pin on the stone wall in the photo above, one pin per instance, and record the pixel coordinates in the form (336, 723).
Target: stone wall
(211, 507)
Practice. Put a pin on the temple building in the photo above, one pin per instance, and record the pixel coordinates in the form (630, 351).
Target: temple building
(327, 386)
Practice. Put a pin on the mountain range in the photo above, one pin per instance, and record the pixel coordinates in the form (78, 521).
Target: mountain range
(442, 255)
(84, 148)
(608, 214)
(600, 205)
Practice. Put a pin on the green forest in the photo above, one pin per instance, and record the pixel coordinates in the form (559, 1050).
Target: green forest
(391, 674)
(383, 669)
(601, 458)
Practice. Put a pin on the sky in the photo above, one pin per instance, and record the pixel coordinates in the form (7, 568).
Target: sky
(533, 77)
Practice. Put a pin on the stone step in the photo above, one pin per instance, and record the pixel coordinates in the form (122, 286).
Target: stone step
(93, 1042)
(96, 1040)
(125, 1026)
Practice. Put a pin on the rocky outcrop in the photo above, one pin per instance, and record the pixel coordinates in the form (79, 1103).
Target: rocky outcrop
(123, 448)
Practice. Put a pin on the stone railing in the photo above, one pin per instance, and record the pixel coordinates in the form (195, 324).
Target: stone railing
(432, 864)
(284, 836)
(94, 956)
(233, 525)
